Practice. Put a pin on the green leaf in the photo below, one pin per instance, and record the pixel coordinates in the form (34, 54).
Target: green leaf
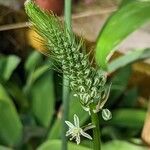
(129, 58)
(122, 145)
(119, 84)
(56, 145)
(75, 105)
(113, 145)
(34, 59)
(10, 124)
(130, 98)
(123, 22)
(35, 75)
(43, 99)
(4, 148)
(132, 118)
(8, 65)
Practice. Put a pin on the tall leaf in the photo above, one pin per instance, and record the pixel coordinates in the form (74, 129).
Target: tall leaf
(8, 65)
(56, 145)
(123, 22)
(122, 145)
(10, 124)
(128, 59)
(42, 95)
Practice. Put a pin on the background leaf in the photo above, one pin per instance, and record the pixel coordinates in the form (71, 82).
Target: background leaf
(119, 84)
(10, 124)
(34, 59)
(4, 148)
(56, 145)
(131, 118)
(123, 22)
(8, 65)
(122, 145)
(128, 58)
(43, 98)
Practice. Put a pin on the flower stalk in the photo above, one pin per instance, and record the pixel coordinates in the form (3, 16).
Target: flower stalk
(96, 131)
(66, 89)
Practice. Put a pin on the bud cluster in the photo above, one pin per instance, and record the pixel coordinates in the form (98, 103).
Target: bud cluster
(86, 82)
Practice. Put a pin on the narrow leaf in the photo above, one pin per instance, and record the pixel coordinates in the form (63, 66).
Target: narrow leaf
(132, 118)
(8, 65)
(42, 95)
(10, 124)
(122, 145)
(127, 19)
(56, 145)
(129, 58)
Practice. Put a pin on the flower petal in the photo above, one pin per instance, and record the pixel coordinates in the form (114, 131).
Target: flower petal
(76, 121)
(86, 135)
(69, 124)
(69, 132)
(78, 139)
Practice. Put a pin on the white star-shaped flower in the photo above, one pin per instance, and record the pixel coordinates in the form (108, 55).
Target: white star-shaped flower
(75, 131)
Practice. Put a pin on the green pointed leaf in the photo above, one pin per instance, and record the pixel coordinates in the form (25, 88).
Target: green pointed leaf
(42, 95)
(129, 58)
(4, 148)
(8, 65)
(10, 124)
(133, 118)
(34, 59)
(56, 145)
(119, 84)
(122, 145)
(123, 22)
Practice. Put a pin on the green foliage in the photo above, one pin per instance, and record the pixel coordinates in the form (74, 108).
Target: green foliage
(43, 101)
(56, 144)
(131, 118)
(123, 22)
(118, 84)
(122, 145)
(4, 148)
(128, 58)
(33, 61)
(114, 145)
(10, 124)
(8, 65)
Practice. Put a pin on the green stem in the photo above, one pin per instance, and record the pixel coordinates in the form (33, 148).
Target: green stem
(68, 20)
(65, 111)
(96, 130)
(68, 7)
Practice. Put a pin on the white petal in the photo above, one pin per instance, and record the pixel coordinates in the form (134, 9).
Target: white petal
(78, 139)
(69, 124)
(76, 121)
(69, 132)
(86, 135)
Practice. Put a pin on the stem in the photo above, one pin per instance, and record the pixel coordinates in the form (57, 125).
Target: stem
(65, 111)
(68, 4)
(96, 130)
(68, 8)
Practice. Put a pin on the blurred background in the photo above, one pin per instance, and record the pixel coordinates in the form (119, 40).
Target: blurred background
(30, 89)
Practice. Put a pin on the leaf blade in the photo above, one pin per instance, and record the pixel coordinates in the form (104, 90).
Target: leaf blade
(122, 23)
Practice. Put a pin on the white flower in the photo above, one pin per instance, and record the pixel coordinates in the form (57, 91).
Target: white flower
(75, 131)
